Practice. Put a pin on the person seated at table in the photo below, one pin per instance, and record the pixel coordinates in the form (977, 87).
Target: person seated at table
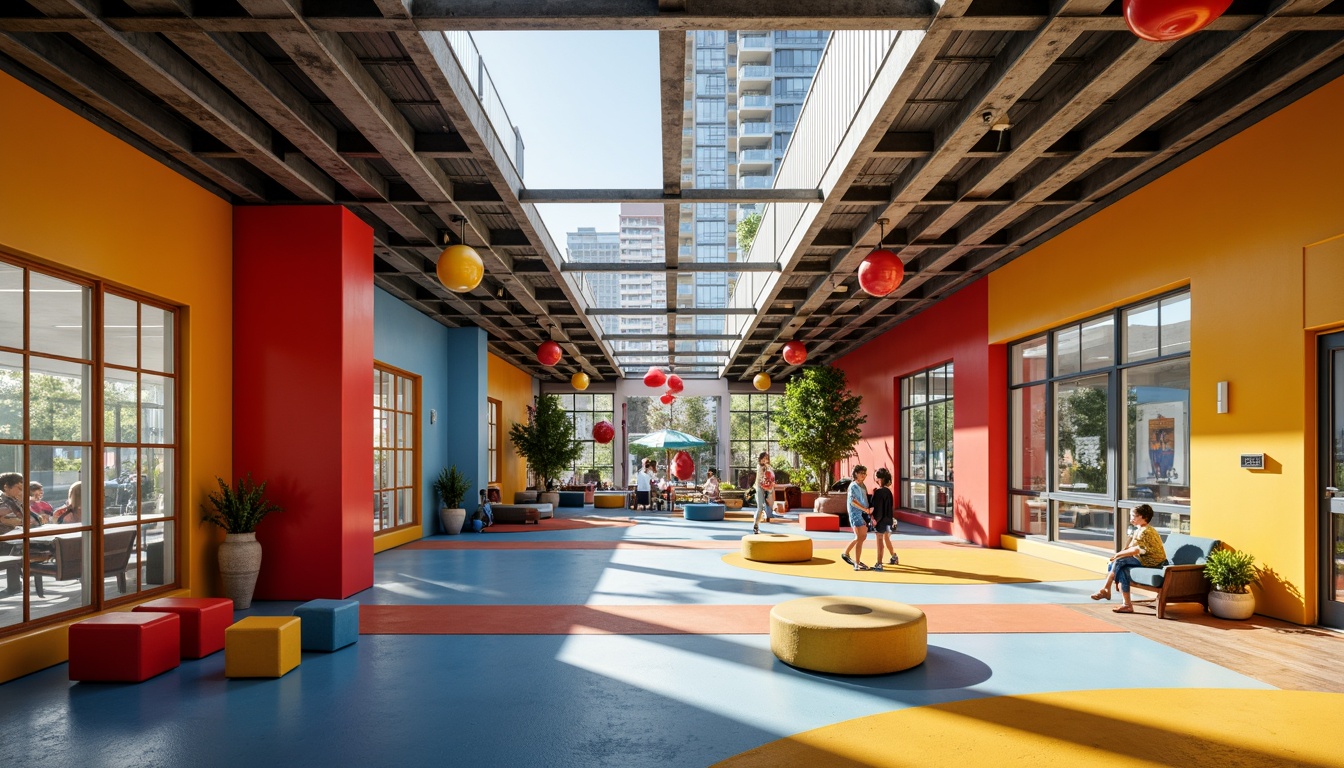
(711, 488)
(73, 510)
(35, 503)
(11, 502)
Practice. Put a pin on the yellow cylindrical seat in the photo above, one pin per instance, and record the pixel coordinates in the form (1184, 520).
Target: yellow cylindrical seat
(609, 500)
(776, 547)
(849, 635)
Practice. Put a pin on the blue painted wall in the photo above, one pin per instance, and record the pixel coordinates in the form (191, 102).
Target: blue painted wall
(407, 339)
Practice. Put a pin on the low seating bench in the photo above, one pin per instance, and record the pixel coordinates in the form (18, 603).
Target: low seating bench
(517, 513)
(1182, 580)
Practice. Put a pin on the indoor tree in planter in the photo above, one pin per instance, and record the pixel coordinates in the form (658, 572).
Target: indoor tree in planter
(1231, 573)
(546, 441)
(821, 421)
(239, 510)
(451, 486)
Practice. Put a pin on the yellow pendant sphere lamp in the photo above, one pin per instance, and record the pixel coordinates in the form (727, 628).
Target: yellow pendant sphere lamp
(460, 268)
(761, 382)
(579, 381)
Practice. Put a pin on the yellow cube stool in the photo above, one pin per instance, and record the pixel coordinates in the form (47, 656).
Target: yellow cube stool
(262, 646)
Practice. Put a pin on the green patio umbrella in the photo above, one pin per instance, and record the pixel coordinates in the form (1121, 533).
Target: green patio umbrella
(670, 440)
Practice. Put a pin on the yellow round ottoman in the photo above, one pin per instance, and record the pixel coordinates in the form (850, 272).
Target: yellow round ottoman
(776, 547)
(609, 500)
(849, 635)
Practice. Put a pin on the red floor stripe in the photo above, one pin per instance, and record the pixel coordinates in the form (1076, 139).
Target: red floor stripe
(689, 619)
(469, 541)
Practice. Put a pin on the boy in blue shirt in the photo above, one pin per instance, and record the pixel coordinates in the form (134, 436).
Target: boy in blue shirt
(857, 506)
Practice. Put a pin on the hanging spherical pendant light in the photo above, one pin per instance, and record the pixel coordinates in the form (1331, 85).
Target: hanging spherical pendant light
(654, 378)
(549, 353)
(603, 432)
(675, 384)
(795, 353)
(761, 381)
(1161, 21)
(881, 271)
(460, 268)
(667, 398)
(579, 381)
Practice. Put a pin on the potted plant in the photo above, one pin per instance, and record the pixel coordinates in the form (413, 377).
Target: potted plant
(730, 496)
(547, 442)
(238, 510)
(781, 467)
(807, 488)
(1231, 573)
(821, 421)
(450, 487)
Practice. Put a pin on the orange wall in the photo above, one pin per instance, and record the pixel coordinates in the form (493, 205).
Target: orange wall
(74, 196)
(513, 388)
(1232, 224)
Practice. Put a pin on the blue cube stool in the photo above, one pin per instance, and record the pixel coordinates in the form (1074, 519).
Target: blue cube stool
(328, 624)
(702, 511)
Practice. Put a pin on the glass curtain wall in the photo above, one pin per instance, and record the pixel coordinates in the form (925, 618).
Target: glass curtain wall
(926, 442)
(596, 462)
(88, 446)
(1099, 423)
(752, 429)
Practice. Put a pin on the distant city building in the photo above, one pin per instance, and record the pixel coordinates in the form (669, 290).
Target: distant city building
(639, 240)
(589, 245)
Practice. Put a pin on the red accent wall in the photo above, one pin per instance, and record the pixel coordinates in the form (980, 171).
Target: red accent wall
(303, 393)
(957, 330)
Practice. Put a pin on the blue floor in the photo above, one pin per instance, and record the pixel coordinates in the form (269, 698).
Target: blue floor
(581, 700)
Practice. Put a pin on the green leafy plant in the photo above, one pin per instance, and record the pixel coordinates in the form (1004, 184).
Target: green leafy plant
(746, 232)
(547, 439)
(820, 419)
(1231, 571)
(238, 509)
(727, 487)
(450, 487)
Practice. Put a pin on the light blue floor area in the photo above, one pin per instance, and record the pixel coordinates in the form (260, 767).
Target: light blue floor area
(582, 700)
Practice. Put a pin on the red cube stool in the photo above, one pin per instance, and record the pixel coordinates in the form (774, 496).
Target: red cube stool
(204, 620)
(819, 521)
(124, 647)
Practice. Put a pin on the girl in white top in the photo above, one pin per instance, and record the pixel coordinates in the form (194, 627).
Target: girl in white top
(642, 483)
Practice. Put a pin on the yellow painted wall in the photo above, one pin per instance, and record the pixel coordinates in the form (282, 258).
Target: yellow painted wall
(512, 386)
(74, 196)
(1232, 224)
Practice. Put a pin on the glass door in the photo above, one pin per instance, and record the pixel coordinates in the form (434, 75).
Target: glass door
(1332, 479)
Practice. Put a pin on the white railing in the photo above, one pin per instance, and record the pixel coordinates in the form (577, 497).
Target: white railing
(473, 67)
(857, 73)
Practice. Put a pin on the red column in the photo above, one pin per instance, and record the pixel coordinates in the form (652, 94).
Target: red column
(303, 393)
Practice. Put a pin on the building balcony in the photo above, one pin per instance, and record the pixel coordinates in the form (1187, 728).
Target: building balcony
(760, 129)
(756, 159)
(755, 182)
(755, 43)
(755, 73)
(755, 103)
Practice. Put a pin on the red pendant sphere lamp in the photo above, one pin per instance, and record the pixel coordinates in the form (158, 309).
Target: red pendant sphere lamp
(761, 381)
(654, 378)
(579, 381)
(460, 268)
(795, 353)
(1161, 21)
(675, 384)
(603, 432)
(881, 271)
(549, 353)
(667, 398)
(683, 466)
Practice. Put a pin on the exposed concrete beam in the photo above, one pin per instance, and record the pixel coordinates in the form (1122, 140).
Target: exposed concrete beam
(685, 266)
(683, 195)
(657, 311)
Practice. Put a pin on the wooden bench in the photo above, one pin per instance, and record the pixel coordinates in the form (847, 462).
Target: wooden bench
(1182, 579)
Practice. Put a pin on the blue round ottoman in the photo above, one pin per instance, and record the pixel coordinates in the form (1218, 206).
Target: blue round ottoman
(702, 511)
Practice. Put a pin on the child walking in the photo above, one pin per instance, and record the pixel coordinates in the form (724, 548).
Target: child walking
(884, 517)
(857, 503)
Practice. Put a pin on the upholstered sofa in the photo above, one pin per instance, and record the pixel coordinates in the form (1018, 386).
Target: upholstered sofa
(517, 513)
(1182, 579)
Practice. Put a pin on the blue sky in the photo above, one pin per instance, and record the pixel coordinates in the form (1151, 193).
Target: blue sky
(587, 106)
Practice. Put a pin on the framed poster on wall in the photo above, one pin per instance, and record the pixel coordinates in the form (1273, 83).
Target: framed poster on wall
(1160, 453)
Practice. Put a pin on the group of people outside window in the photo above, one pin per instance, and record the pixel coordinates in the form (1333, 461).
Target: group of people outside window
(15, 495)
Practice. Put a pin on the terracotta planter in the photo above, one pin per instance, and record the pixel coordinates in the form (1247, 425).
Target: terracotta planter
(550, 497)
(731, 503)
(239, 564)
(452, 520)
(809, 499)
(832, 504)
(1231, 605)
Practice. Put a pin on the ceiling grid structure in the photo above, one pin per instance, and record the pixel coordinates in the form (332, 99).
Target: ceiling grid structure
(1010, 121)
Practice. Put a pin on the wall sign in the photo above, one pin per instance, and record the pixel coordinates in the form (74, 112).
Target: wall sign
(1252, 461)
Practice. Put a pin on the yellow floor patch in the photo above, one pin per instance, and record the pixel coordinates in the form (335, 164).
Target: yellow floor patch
(952, 565)
(1099, 729)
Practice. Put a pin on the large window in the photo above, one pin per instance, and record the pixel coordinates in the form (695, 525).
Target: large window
(752, 429)
(926, 442)
(493, 460)
(396, 441)
(88, 445)
(596, 462)
(1099, 423)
